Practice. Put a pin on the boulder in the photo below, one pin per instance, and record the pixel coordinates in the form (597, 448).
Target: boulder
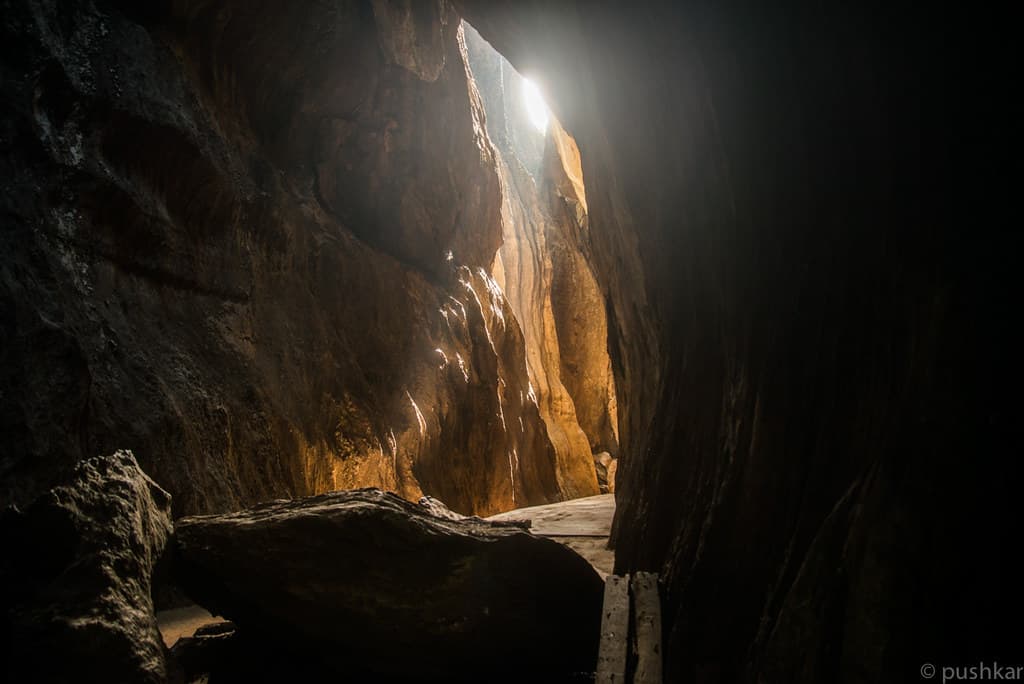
(605, 465)
(75, 578)
(366, 582)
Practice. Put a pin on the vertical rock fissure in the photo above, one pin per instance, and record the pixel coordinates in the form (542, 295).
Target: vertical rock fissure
(542, 268)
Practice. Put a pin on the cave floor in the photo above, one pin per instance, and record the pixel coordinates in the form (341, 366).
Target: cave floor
(183, 622)
(581, 524)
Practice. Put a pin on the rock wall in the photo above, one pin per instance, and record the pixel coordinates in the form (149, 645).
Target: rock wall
(807, 321)
(251, 242)
(541, 267)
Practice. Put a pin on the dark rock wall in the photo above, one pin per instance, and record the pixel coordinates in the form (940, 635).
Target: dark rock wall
(226, 230)
(807, 319)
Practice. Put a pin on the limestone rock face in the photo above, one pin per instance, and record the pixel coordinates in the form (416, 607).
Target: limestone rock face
(252, 242)
(75, 578)
(365, 581)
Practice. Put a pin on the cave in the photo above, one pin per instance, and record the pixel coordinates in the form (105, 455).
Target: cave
(386, 338)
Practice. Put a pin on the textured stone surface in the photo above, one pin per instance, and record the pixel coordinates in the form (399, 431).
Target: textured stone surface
(225, 237)
(366, 581)
(75, 578)
(606, 467)
(545, 275)
(612, 474)
(807, 320)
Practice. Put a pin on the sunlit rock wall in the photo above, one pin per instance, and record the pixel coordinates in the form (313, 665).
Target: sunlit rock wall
(577, 303)
(543, 272)
(251, 242)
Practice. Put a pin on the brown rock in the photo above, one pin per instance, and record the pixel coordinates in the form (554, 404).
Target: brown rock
(236, 261)
(414, 37)
(606, 467)
(613, 469)
(545, 275)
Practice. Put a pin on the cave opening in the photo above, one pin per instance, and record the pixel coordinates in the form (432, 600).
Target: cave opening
(535, 105)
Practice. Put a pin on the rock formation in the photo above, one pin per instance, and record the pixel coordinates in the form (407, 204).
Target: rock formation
(75, 578)
(366, 582)
(225, 230)
(253, 243)
(606, 467)
(804, 319)
(543, 271)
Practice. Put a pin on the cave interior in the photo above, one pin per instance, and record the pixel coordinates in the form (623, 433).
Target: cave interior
(311, 312)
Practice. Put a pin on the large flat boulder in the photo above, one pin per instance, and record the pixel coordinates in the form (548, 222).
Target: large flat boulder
(363, 581)
(75, 578)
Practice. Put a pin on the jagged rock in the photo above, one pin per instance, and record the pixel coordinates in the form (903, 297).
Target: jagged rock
(605, 467)
(542, 268)
(438, 509)
(364, 580)
(75, 578)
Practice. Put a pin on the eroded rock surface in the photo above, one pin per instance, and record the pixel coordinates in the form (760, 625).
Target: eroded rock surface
(364, 581)
(542, 268)
(606, 467)
(75, 578)
(251, 241)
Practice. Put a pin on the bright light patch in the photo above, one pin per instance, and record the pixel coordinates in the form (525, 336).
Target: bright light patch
(535, 106)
